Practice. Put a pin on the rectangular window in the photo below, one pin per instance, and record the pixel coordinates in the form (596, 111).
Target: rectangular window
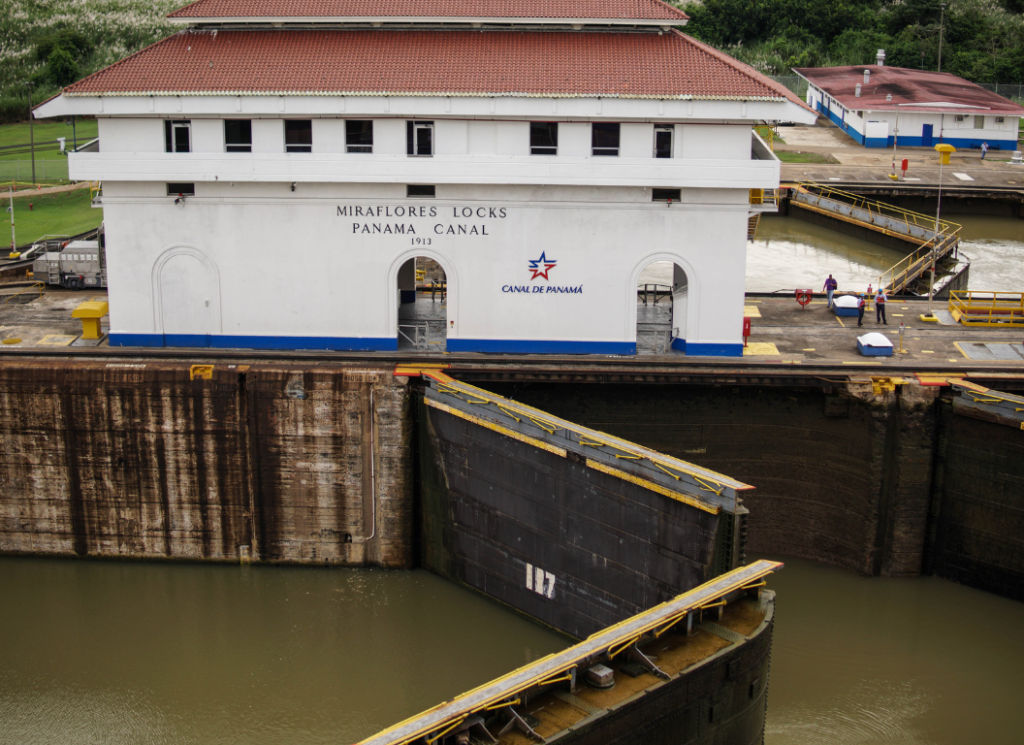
(419, 190)
(298, 136)
(181, 190)
(979, 122)
(419, 138)
(604, 138)
(543, 138)
(359, 136)
(238, 135)
(178, 136)
(665, 195)
(663, 141)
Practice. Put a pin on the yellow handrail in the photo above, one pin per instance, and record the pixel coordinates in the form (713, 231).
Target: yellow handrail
(34, 286)
(977, 307)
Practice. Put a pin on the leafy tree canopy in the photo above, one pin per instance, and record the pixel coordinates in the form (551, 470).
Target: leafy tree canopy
(982, 40)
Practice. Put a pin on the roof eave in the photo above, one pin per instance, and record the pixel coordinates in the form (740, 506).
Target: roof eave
(421, 20)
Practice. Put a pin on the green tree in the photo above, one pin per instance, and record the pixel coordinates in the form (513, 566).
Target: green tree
(61, 68)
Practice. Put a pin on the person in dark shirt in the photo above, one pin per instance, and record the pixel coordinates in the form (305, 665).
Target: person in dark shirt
(861, 304)
(830, 287)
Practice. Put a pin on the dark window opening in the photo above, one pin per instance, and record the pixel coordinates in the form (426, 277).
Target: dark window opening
(238, 135)
(298, 136)
(359, 136)
(604, 138)
(419, 190)
(419, 138)
(543, 138)
(181, 190)
(177, 136)
(663, 142)
(665, 195)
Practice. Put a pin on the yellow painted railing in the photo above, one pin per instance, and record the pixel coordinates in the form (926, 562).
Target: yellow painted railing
(40, 286)
(896, 278)
(976, 308)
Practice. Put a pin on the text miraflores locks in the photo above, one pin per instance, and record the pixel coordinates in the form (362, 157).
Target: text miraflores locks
(422, 211)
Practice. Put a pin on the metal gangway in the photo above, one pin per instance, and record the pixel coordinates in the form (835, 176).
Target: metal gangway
(932, 240)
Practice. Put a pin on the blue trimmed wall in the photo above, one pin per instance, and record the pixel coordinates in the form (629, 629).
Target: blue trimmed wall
(966, 143)
(372, 344)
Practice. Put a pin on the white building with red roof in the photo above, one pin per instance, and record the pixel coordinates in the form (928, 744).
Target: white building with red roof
(869, 103)
(271, 172)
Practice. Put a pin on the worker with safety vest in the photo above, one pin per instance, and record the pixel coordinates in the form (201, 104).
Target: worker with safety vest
(880, 300)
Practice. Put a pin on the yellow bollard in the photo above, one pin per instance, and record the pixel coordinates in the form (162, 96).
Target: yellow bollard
(90, 312)
(944, 152)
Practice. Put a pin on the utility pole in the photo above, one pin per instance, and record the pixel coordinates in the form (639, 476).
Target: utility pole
(942, 18)
(14, 243)
(31, 132)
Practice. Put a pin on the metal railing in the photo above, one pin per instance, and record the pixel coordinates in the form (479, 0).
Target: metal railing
(41, 286)
(894, 221)
(898, 277)
(977, 308)
(655, 291)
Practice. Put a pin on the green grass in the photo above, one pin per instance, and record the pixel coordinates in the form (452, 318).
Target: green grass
(65, 213)
(47, 130)
(790, 156)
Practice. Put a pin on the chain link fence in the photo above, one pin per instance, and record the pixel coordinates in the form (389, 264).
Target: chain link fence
(46, 170)
(794, 82)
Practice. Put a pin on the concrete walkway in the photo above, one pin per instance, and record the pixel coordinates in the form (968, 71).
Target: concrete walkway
(862, 165)
(51, 189)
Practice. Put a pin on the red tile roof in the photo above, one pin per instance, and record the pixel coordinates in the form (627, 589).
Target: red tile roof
(925, 90)
(588, 9)
(412, 62)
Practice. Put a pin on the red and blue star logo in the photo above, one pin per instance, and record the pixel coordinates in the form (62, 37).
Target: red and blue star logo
(536, 264)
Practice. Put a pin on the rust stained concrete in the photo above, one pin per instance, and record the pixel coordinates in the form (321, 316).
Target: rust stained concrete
(274, 462)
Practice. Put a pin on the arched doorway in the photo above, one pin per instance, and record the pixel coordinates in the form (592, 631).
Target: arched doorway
(422, 305)
(187, 295)
(662, 304)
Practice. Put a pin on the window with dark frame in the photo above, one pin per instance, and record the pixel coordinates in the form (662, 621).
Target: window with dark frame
(181, 190)
(298, 135)
(604, 138)
(665, 195)
(359, 136)
(177, 135)
(663, 141)
(238, 135)
(543, 138)
(419, 138)
(420, 190)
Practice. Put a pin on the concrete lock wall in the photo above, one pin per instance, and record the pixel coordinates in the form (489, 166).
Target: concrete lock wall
(268, 463)
(889, 483)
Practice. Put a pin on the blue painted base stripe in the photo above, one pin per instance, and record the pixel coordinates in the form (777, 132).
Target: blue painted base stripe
(336, 344)
(698, 349)
(530, 346)
(377, 344)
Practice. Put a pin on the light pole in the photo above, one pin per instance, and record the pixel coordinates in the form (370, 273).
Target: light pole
(31, 132)
(944, 152)
(895, 139)
(942, 19)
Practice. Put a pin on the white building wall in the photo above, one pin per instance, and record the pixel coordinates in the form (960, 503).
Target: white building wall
(267, 136)
(716, 141)
(131, 135)
(248, 262)
(218, 259)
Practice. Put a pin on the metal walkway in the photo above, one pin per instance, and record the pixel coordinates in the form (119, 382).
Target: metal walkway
(563, 667)
(931, 240)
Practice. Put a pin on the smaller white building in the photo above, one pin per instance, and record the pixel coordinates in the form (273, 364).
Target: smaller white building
(870, 102)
